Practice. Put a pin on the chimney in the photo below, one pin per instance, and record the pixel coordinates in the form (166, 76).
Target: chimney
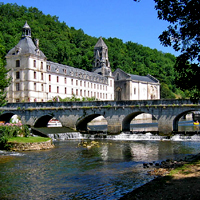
(37, 43)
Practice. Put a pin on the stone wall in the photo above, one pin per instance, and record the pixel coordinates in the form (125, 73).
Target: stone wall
(32, 146)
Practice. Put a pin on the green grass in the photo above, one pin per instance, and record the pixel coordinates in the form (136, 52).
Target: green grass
(28, 139)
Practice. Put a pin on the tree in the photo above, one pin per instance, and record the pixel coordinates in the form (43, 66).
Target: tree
(4, 82)
(183, 34)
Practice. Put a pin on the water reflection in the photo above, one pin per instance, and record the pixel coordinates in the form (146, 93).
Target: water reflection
(71, 172)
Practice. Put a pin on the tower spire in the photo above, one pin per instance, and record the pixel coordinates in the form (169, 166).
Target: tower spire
(101, 62)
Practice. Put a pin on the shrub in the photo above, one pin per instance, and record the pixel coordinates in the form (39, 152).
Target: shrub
(10, 130)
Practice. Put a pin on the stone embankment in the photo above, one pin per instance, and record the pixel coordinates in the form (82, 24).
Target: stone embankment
(164, 167)
(32, 146)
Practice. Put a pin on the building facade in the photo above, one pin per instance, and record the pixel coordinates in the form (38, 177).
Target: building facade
(34, 79)
(135, 87)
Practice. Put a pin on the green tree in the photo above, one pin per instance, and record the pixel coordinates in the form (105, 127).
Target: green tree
(4, 82)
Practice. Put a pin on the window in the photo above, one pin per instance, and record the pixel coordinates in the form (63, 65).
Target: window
(134, 90)
(34, 86)
(57, 79)
(34, 75)
(84, 93)
(77, 92)
(88, 84)
(65, 90)
(106, 96)
(57, 89)
(42, 76)
(34, 63)
(17, 87)
(80, 92)
(41, 67)
(84, 84)
(42, 87)
(100, 87)
(91, 85)
(80, 83)
(17, 100)
(17, 75)
(65, 80)
(17, 63)
(94, 86)
(76, 82)
(88, 93)
(49, 77)
(97, 87)
(110, 83)
(95, 94)
(72, 91)
(49, 88)
(71, 81)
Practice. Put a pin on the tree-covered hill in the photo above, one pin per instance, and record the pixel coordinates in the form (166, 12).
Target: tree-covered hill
(67, 45)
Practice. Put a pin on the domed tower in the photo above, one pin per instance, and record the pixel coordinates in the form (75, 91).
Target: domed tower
(27, 67)
(101, 62)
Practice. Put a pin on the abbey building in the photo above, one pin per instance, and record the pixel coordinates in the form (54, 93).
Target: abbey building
(34, 79)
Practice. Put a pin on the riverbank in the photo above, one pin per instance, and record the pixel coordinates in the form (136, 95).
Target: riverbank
(181, 183)
(30, 143)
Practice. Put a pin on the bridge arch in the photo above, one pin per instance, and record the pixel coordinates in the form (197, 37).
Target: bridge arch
(6, 117)
(82, 124)
(177, 118)
(42, 121)
(127, 120)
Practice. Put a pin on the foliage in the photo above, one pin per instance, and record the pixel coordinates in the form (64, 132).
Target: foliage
(10, 130)
(183, 33)
(73, 98)
(66, 45)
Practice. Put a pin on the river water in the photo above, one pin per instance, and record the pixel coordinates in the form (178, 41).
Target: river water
(108, 170)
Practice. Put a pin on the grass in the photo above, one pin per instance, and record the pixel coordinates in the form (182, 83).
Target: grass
(28, 139)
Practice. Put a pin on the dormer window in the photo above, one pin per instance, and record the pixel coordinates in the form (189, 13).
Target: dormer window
(17, 50)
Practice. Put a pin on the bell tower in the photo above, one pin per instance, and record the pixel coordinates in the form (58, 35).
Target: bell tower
(26, 30)
(101, 62)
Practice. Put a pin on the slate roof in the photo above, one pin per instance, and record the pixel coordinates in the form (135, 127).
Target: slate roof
(26, 46)
(147, 78)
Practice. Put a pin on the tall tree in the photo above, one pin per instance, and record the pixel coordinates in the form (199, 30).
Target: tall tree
(4, 82)
(183, 34)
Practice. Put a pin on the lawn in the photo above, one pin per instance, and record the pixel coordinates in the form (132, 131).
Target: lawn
(28, 139)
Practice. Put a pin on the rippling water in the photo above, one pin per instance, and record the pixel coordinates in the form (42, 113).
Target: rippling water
(107, 171)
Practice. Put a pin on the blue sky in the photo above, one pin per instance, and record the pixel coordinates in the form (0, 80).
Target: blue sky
(123, 19)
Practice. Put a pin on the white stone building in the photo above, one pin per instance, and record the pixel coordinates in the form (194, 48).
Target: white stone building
(34, 79)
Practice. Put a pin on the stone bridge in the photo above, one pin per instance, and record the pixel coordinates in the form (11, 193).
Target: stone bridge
(118, 114)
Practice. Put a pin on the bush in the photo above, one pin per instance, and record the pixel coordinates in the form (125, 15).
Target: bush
(11, 130)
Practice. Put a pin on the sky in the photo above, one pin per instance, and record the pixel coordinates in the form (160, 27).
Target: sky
(123, 19)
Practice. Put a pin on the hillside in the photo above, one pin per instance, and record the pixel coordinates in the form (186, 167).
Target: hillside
(67, 45)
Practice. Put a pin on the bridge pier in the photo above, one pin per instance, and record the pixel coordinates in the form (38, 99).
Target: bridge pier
(114, 125)
(165, 125)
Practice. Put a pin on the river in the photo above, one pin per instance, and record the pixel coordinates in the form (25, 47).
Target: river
(70, 171)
